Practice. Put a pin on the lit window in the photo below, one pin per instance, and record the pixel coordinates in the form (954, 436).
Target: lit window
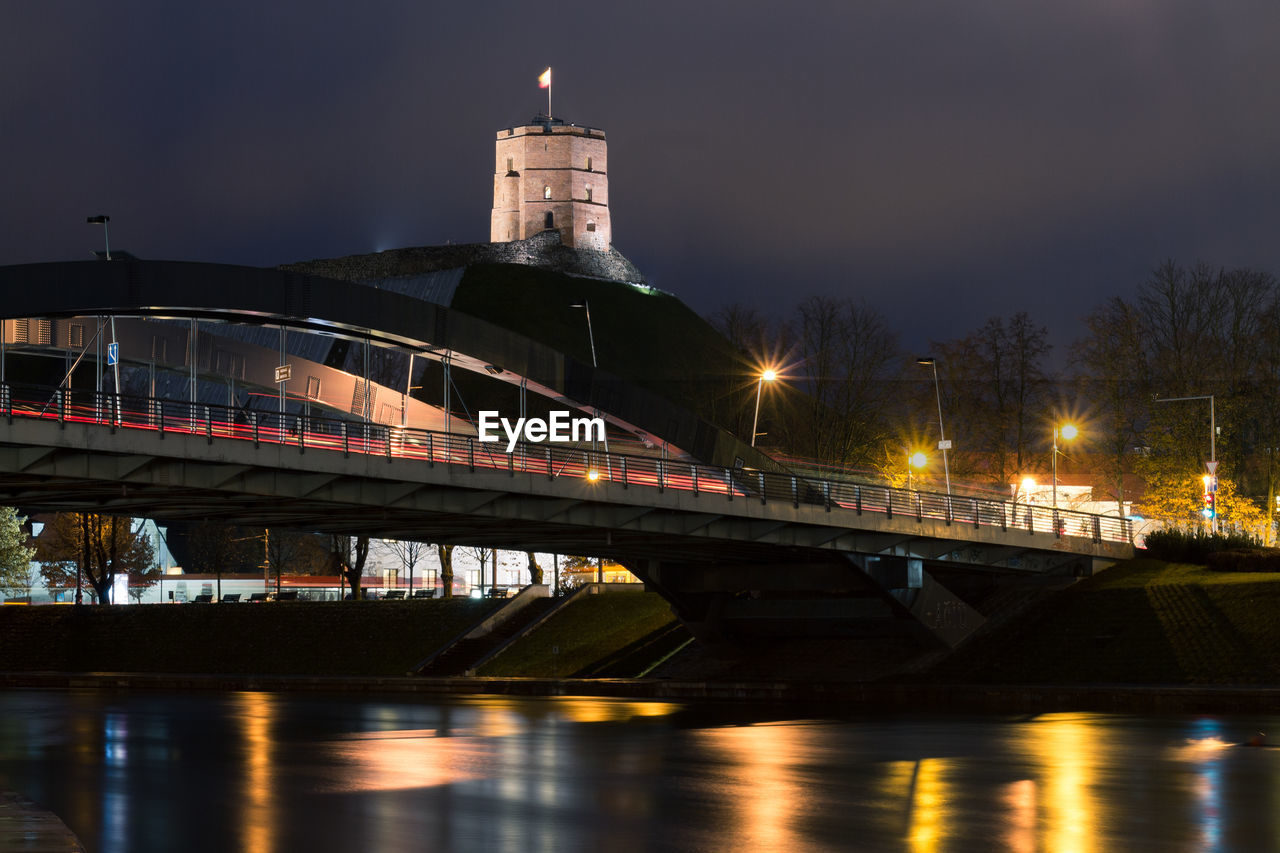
(588, 192)
(546, 192)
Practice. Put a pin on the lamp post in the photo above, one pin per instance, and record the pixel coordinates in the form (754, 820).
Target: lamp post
(915, 460)
(943, 444)
(768, 375)
(586, 306)
(593, 474)
(1068, 432)
(1212, 464)
(101, 219)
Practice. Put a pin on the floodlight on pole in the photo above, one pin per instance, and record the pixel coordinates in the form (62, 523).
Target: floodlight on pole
(917, 460)
(1067, 432)
(767, 375)
(943, 444)
(586, 306)
(101, 219)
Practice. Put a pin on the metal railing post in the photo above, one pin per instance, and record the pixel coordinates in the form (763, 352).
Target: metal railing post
(624, 473)
(857, 499)
(471, 454)
(208, 426)
(795, 491)
(694, 469)
(763, 498)
(827, 493)
(346, 442)
(62, 408)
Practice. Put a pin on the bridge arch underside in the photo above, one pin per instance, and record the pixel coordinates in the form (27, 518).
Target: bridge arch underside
(733, 567)
(148, 297)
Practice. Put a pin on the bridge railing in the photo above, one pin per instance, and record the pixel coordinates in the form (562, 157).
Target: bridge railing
(312, 432)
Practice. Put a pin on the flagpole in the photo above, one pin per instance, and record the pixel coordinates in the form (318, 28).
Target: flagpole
(548, 98)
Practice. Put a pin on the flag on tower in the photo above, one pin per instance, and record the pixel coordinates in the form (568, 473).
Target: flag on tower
(544, 80)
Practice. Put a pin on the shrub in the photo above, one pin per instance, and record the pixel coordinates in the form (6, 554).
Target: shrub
(1182, 546)
(1245, 560)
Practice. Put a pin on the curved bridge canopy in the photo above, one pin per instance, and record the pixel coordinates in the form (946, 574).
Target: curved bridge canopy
(257, 296)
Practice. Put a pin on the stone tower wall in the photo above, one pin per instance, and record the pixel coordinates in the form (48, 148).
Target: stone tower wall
(554, 169)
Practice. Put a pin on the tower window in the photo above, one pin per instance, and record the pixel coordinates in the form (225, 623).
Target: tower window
(588, 192)
(550, 221)
(511, 167)
(546, 192)
(591, 226)
(588, 164)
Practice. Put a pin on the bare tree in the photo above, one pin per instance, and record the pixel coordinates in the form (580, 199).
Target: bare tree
(847, 357)
(95, 547)
(350, 554)
(998, 384)
(409, 552)
(445, 553)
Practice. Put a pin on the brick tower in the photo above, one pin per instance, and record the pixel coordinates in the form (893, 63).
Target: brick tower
(549, 175)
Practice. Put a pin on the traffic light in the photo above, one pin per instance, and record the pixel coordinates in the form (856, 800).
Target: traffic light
(1210, 508)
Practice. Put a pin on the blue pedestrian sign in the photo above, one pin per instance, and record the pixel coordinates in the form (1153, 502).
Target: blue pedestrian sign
(113, 353)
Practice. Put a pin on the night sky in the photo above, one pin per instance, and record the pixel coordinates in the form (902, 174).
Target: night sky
(948, 162)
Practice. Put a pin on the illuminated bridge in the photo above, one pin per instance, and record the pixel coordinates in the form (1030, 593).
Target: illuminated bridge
(740, 546)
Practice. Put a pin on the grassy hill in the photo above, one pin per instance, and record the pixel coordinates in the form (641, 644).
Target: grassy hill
(641, 334)
(1141, 622)
(619, 634)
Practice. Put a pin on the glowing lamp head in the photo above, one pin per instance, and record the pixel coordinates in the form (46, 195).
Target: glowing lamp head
(918, 459)
(769, 375)
(1028, 484)
(593, 474)
(1069, 431)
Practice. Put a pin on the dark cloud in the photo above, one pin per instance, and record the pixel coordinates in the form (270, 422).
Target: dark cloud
(948, 162)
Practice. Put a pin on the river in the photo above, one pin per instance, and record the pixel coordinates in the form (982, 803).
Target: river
(139, 772)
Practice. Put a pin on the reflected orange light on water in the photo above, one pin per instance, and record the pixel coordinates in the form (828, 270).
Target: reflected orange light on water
(928, 805)
(591, 710)
(391, 762)
(1020, 800)
(257, 712)
(766, 789)
(1068, 749)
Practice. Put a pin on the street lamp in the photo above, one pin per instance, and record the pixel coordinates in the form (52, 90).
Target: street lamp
(1212, 464)
(1028, 483)
(101, 219)
(943, 444)
(768, 375)
(915, 460)
(586, 306)
(1068, 432)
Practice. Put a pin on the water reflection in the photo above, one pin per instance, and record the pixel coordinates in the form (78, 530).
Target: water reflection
(257, 815)
(265, 772)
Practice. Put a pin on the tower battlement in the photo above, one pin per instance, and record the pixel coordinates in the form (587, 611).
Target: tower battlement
(551, 176)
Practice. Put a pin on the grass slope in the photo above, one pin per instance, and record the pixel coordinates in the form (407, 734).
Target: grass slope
(581, 634)
(647, 336)
(1141, 622)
